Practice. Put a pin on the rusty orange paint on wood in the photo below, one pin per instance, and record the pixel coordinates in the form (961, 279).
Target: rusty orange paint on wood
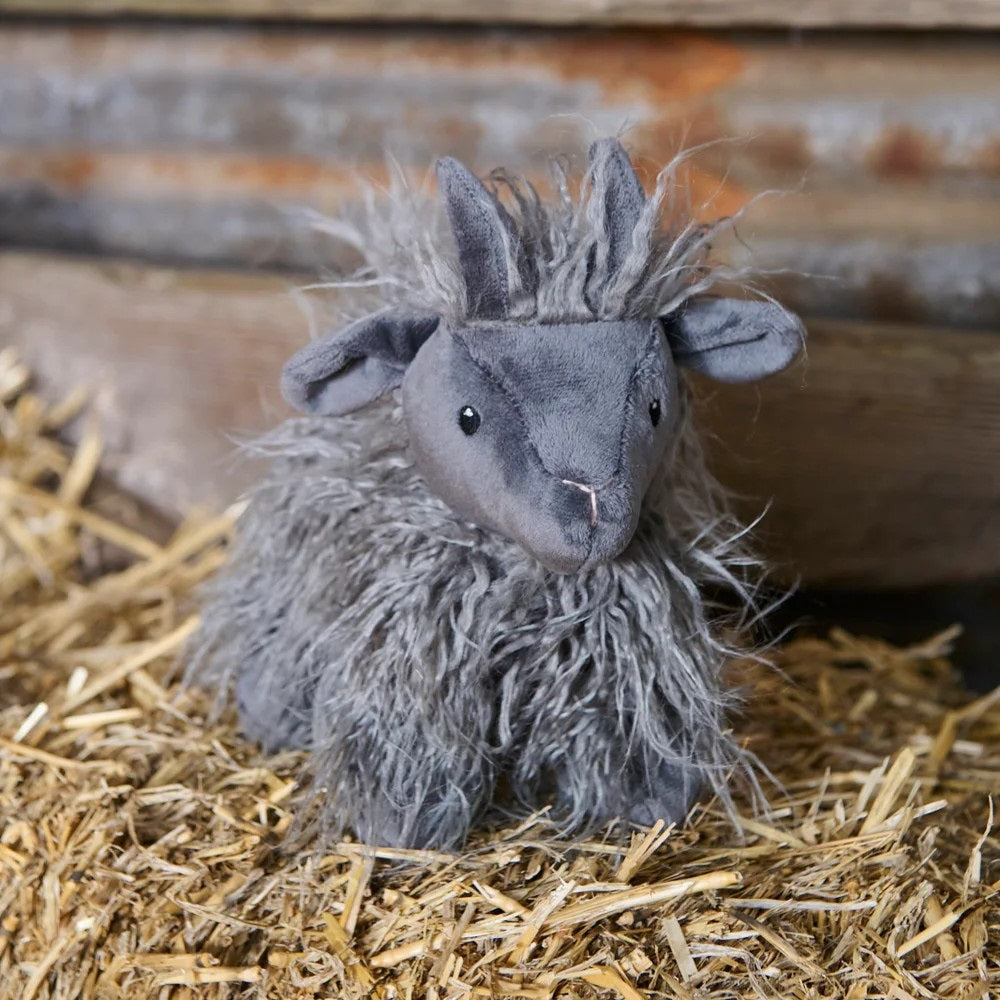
(890, 151)
(904, 153)
(655, 71)
(70, 172)
(654, 66)
(306, 181)
(76, 171)
(989, 159)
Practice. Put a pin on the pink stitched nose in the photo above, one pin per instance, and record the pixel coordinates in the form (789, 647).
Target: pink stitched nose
(591, 492)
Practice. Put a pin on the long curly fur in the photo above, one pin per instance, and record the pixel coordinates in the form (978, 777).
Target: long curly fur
(433, 668)
(560, 270)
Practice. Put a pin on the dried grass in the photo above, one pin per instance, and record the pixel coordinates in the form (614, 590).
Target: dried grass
(145, 852)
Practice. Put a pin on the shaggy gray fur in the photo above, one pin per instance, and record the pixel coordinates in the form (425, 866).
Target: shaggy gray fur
(420, 657)
(435, 667)
(573, 258)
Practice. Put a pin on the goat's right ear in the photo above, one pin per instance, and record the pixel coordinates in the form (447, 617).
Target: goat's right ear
(346, 370)
(623, 197)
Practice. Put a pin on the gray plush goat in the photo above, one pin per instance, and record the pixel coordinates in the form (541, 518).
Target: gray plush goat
(498, 588)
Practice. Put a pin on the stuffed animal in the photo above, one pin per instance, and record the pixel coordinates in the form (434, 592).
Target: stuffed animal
(499, 589)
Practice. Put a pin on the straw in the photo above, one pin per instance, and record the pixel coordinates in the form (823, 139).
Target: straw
(145, 851)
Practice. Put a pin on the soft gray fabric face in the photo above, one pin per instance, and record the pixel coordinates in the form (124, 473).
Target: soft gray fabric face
(566, 444)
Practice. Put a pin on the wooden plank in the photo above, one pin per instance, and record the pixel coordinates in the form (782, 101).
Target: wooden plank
(197, 144)
(756, 13)
(178, 363)
(881, 453)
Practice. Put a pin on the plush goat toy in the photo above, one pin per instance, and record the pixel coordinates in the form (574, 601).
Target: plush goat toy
(494, 590)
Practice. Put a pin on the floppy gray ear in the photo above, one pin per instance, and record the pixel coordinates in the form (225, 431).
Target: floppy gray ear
(348, 369)
(484, 233)
(623, 197)
(734, 340)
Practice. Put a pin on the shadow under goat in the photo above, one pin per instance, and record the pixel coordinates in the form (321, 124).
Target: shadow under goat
(497, 578)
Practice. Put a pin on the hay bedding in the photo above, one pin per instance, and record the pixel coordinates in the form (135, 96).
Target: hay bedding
(144, 851)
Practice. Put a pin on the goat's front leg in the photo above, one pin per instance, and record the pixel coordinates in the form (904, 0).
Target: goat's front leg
(595, 758)
(397, 765)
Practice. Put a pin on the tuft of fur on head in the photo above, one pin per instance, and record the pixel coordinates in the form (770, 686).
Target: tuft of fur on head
(561, 273)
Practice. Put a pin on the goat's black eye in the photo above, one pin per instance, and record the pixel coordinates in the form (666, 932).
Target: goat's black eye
(468, 420)
(654, 412)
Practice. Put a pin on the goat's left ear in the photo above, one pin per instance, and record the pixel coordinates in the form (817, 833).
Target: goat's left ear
(734, 340)
(348, 369)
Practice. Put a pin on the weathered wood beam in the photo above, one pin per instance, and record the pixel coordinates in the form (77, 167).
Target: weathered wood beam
(197, 144)
(718, 13)
(881, 452)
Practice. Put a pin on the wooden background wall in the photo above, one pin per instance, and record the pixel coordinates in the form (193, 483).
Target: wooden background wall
(152, 176)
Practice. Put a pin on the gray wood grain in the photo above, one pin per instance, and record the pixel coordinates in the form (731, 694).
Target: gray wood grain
(758, 13)
(198, 144)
